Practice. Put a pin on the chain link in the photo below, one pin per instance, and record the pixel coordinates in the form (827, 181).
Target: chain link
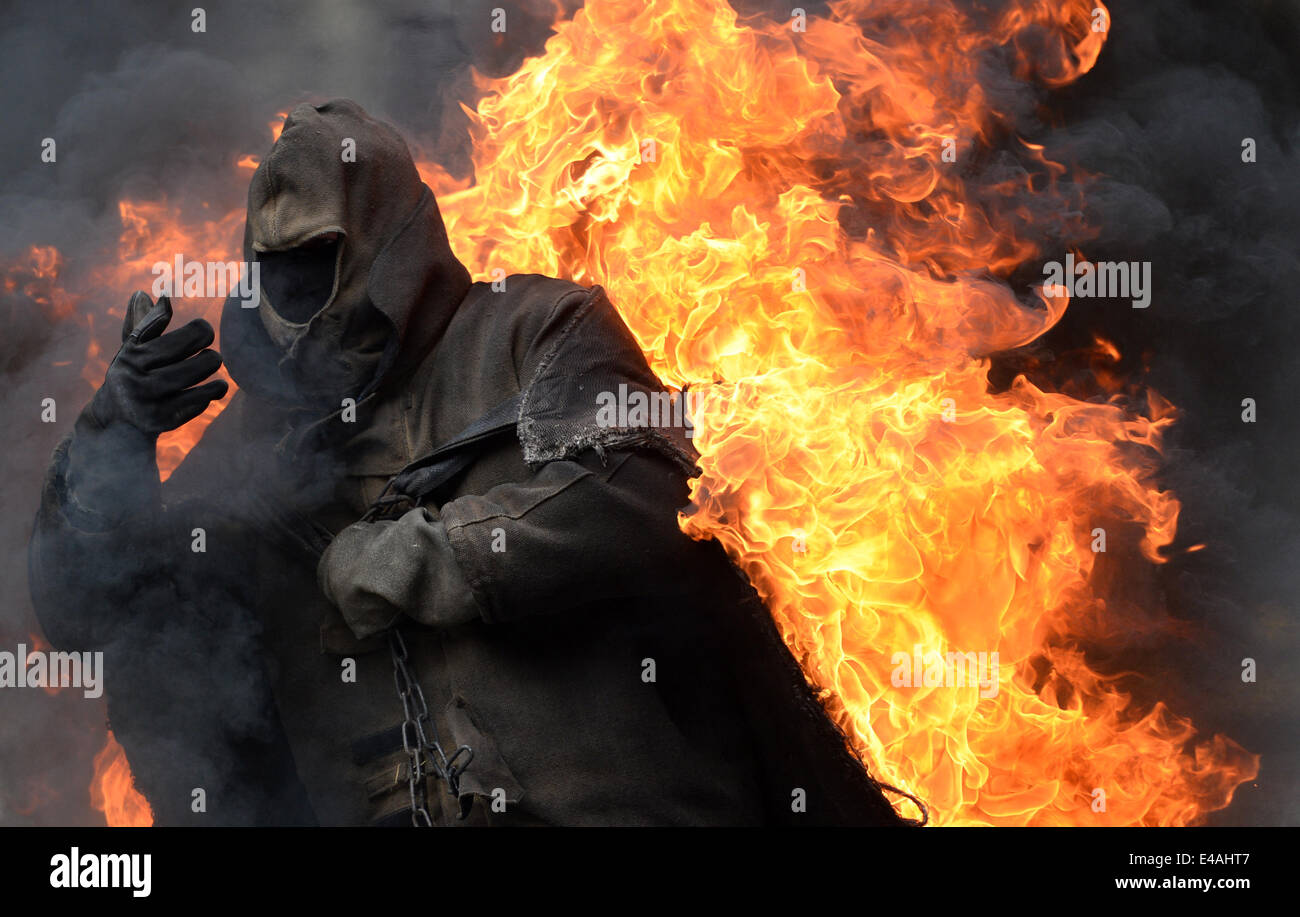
(424, 754)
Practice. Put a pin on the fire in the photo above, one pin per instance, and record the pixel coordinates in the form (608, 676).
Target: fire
(250, 162)
(772, 211)
(36, 275)
(781, 215)
(152, 232)
(113, 792)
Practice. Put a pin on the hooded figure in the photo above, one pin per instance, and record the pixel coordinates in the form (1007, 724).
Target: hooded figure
(411, 487)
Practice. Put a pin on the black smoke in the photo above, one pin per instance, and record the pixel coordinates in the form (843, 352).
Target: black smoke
(1162, 122)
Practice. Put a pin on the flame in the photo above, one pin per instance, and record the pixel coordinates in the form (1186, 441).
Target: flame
(782, 214)
(36, 276)
(772, 210)
(250, 162)
(153, 232)
(113, 792)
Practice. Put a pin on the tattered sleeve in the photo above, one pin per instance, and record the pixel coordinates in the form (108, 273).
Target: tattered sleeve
(594, 521)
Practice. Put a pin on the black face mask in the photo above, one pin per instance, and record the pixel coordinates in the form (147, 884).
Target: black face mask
(298, 282)
(331, 348)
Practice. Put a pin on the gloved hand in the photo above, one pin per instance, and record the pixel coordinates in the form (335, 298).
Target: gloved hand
(376, 572)
(148, 384)
(150, 387)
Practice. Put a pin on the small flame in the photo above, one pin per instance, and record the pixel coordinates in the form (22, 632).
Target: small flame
(36, 276)
(112, 789)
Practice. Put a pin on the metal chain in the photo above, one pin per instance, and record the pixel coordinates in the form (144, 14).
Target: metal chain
(424, 752)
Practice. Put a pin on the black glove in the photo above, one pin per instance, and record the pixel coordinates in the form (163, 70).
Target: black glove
(147, 386)
(150, 387)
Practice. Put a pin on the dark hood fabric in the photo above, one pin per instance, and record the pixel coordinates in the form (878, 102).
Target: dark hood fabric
(396, 282)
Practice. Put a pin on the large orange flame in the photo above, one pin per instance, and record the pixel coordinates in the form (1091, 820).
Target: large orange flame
(856, 465)
(779, 213)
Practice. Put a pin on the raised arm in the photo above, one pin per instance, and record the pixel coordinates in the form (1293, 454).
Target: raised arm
(100, 525)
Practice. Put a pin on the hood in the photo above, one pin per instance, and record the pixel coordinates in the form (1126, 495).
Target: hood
(337, 175)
